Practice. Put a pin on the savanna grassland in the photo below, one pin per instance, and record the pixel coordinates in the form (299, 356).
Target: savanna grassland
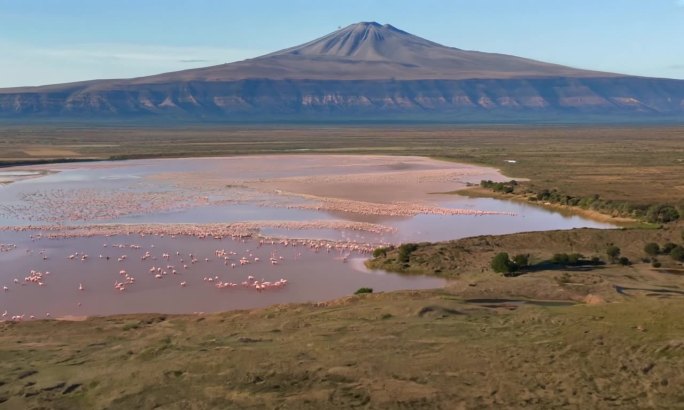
(602, 335)
(399, 350)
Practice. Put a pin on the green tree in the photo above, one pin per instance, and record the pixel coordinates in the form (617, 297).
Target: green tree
(405, 251)
(613, 252)
(677, 253)
(652, 249)
(575, 258)
(560, 259)
(522, 260)
(501, 263)
(667, 248)
(624, 261)
(377, 252)
(662, 213)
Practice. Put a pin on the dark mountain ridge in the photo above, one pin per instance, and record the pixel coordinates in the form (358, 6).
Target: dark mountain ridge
(365, 69)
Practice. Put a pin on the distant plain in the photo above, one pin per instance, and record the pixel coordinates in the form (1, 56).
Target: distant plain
(616, 162)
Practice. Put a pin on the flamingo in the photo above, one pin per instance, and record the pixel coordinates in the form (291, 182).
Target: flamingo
(80, 286)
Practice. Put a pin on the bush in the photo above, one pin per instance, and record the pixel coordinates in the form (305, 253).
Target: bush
(677, 253)
(405, 251)
(505, 187)
(575, 258)
(377, 252)
(560, 259)
(652, 249)
(361, 291)
(613, 252)
(624, 261)
(662, 213)
(667, 248)
(570, 259)
(522, 260)
(501, 263)
(656, 264)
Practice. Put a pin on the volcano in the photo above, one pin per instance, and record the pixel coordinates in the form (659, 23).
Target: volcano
(365, 70)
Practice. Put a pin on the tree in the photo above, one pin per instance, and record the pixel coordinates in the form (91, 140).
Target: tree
(405, 251)
(377, 252)
(522, 260)
(667, 248)
(575, 258)
(501, 263)
(613, 252)
(560, 259)
(662, 213)
(624, 261)
(652, 249)
(677, 253)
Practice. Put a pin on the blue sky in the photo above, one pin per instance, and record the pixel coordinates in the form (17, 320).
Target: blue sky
(50, 41)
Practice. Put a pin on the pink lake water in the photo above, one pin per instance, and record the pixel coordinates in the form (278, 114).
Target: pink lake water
(226, 190)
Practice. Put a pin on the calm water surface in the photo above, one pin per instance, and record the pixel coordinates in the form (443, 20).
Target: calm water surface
(311, 276)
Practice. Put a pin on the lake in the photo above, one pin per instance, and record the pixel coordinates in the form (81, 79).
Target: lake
(333, 208)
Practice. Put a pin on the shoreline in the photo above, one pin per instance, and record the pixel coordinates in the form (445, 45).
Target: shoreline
(621, 222)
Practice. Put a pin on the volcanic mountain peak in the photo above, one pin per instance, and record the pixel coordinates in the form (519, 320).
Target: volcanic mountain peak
(362, 69)
(368, 41)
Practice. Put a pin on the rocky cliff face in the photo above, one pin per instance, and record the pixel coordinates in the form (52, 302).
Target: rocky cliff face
(363, 70)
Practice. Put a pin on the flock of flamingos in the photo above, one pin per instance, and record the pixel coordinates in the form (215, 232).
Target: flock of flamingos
(173, 266)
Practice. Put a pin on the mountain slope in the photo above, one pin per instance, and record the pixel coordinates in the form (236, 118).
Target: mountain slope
(363, 69)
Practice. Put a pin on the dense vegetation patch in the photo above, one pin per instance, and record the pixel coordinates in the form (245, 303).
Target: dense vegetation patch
(653, 213)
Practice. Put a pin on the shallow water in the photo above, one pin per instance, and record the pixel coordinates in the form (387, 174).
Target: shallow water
(312, 276)
(142, 191)
(227, 190)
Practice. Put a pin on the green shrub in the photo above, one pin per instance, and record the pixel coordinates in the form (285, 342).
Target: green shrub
(613, 252)
(405, 251)
(377, 252)
(560, 259)
(652, 249)
(677, 253)
(656, 264)
(522, 260)
(667, 248)
(624, 261)
(362, 291)
(662, 213)
(575, 258)
(501, 263)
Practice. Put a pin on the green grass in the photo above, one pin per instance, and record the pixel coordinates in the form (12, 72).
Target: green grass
(473, 255)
